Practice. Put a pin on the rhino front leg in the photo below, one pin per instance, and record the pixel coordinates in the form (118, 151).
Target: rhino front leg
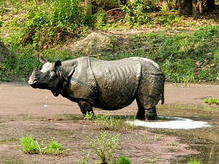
(152, 114)
(85, 107)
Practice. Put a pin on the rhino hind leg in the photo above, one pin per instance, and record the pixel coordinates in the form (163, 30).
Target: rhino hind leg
(152, 113)
(85, 107)
(141, 111)
(143, 105)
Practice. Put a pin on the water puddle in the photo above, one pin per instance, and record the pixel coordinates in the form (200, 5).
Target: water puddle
(171, 123)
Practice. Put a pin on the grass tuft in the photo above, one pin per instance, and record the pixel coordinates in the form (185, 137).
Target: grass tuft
(114, 123)
(122, 160)
(53, 148)
(194, 161)
(211, 100)
(30, 146)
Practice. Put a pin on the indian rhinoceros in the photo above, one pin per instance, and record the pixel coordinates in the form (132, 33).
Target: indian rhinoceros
(109, 85)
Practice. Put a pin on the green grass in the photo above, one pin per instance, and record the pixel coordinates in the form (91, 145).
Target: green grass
(9, 140)
(53, 148)
(112, 123)
(122, 160)
(185, 55)
(29, 145)
(194, 161)
(211, 101)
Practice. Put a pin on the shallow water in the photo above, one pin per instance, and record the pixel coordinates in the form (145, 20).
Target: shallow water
(171, 123)
(204, 139)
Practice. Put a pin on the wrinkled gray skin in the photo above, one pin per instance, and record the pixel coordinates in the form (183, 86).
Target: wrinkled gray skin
(109, 85)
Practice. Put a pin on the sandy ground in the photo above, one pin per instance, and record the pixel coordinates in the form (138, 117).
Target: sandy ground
(22, 99)
(26, 111)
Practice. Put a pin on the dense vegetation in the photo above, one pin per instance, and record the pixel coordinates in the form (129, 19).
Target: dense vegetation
(186, 48)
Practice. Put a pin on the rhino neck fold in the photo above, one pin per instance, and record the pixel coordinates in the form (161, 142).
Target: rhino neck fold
(63, 77)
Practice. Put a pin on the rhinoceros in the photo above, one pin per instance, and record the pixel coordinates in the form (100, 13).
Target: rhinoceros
(109, 85)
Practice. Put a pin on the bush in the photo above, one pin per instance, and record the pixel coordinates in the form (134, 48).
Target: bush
(100, 19)
(137, 12)
(105, 146)
(18, 67)
(49, 23)
(107, 4)
(167, 19)
(184, 57)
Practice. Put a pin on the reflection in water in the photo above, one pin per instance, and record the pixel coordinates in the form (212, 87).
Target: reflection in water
(171, 123)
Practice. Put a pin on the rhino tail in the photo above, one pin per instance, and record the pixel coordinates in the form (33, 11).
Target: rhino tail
(162, 94)
(162, 98)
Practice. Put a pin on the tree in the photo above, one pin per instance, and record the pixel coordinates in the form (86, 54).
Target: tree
(185, 7)
(88, 6)
(195, 7)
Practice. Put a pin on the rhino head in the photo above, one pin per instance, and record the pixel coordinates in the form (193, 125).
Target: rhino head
(49, 77)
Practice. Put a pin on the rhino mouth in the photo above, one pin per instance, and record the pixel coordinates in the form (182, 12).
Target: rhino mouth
(55, 92)
(33, 83)
(36, 84)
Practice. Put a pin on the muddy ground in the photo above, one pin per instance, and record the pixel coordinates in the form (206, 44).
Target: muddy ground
(32, 112)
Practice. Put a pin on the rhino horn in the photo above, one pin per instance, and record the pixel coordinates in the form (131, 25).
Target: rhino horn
(41, 58)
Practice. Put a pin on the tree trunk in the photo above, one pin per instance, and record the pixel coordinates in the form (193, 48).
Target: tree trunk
(202, 6)
(195, 7)
(211, 5)
(185, 7)
(88, 7)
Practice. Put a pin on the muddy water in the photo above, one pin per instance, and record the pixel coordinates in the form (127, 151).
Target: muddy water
(205, 140)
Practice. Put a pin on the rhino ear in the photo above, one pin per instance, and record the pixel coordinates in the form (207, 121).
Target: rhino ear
(58, 63)
(41, 58)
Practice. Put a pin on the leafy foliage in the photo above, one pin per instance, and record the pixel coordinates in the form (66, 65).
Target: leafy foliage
(137, 12)
(48, 23)
(100, 19)
(185, 56)
(106, 4)
(105, 146)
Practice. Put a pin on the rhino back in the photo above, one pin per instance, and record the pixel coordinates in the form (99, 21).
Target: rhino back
(148, 66)
(117, 82)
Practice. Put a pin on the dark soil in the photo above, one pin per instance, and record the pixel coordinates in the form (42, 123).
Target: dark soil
(32, 112)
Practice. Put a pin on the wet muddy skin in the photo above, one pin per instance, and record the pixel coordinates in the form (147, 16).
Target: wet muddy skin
(204, 140)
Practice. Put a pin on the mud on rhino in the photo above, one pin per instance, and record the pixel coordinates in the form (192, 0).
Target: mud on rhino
(109, 85)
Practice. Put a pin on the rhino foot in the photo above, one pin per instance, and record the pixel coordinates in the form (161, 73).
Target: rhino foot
(86, 108)
(152, 114)
(140, 115)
